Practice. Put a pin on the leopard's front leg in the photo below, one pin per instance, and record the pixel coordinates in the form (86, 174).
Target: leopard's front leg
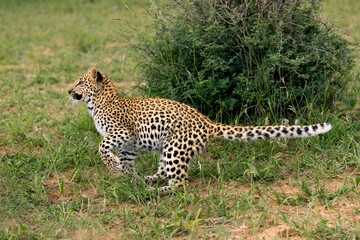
(117, 139)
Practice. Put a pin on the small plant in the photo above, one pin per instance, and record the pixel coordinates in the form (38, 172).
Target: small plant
(235, 59)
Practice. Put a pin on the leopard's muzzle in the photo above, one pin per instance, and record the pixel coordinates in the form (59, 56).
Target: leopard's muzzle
(75, 96)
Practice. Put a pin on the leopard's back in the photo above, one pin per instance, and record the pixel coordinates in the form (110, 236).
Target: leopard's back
(157, 119)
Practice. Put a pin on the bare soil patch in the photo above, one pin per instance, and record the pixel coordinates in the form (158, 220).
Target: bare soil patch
(17, 148)
(117, 44)
(93, 234)
(278, 224)
(61, 188)
(308, 214)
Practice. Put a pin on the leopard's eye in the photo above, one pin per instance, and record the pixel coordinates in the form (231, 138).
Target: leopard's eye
(78, 83)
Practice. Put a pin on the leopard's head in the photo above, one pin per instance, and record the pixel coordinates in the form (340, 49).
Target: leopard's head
(86, 86)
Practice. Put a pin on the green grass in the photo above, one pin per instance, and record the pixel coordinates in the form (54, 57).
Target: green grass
(54, 185)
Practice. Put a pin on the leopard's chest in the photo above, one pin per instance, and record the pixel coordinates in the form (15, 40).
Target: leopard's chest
(101, 126)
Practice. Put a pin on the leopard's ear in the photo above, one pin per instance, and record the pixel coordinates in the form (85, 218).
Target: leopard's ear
(99, 77)
(94, 73)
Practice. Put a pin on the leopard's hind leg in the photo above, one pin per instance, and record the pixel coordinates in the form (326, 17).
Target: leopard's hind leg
(174, 162)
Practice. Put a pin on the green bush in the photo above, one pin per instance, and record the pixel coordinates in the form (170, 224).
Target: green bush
(245, 59)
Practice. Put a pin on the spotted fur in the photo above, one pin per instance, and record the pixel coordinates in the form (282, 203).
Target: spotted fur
(176, 130)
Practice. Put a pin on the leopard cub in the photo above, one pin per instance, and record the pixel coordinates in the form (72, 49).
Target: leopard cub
(176, 130)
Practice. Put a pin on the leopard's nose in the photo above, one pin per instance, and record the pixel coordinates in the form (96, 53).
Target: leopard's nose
(69, 92)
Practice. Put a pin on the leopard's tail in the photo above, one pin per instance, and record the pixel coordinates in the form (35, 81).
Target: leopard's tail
(249, 133)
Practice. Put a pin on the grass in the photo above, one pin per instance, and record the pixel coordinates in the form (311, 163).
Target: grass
(53, 184)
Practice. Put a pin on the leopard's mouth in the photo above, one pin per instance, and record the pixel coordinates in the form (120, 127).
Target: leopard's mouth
(75, 96)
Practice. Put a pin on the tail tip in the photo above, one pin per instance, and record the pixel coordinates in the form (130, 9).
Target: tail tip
(325, 127)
